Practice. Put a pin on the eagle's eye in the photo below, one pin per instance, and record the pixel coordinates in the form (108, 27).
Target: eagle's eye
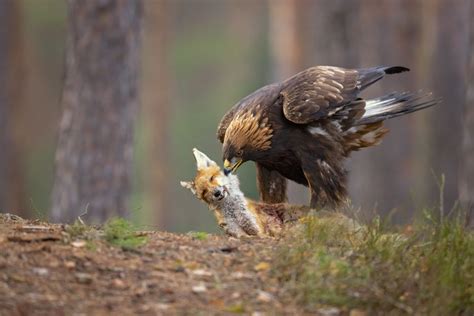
(239, 153)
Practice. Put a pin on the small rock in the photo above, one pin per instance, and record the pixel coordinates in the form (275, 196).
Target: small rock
(153, 309)
(201, 272)
(70, 264)
(357, 312)
(54, 263)
(240, 275)
(141, 289)
(330, 311)
(264, 297)
(262, 266)
(78, 243)
(84, 278)
(228, 249)
(161, 306)
(235, 295)
(119, 284)
(201, 288)
(41, 271)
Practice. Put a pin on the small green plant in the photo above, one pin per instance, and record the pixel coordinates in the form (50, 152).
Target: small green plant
(198, 235)
(236, 309)
(91, 245)
(120, 232)
(77, 230)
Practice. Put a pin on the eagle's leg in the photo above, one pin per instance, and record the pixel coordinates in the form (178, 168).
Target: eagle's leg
(326, 183)
(271, 185)
(313, 190)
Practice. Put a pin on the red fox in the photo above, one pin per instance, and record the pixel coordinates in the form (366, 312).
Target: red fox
(235, 214)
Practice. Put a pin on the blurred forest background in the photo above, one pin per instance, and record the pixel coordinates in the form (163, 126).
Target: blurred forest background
(197, 58)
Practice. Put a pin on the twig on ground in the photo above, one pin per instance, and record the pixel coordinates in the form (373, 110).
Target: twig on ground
(79, 218)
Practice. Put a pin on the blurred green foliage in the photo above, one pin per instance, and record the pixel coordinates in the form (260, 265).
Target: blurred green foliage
(44, 31)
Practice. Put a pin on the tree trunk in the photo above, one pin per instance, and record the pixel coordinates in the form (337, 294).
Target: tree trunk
(12, 198)
(286, 37)
(287, 51)
(99, 99)
(5, 7)
(466, 174)
(332, 30)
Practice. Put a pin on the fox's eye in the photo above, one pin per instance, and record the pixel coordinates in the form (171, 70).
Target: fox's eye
(240, 153)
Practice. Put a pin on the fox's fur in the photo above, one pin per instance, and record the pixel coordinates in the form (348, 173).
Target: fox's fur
(235, 214)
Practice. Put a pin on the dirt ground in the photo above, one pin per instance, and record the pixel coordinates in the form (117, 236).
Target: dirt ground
(44, 272)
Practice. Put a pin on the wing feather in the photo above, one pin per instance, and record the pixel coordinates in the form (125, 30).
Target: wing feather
(319, 92)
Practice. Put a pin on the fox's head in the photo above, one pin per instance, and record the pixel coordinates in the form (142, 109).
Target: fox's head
(210, 184)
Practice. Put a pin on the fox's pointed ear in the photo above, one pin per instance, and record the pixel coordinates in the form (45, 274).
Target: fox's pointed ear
(202, 161)
(188, 185)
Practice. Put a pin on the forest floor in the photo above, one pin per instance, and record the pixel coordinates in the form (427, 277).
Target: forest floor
(44, 270)
(325, 265)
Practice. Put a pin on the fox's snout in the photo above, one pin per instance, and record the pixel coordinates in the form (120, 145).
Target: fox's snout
(218, 193)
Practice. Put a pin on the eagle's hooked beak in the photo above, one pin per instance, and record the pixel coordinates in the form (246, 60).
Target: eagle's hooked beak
(232, 165)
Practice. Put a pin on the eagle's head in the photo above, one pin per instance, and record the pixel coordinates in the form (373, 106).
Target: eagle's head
(247, 136)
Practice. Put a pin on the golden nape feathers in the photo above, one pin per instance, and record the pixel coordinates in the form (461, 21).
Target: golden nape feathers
(250, 129)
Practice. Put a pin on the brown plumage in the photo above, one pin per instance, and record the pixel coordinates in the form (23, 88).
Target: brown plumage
(303, 128)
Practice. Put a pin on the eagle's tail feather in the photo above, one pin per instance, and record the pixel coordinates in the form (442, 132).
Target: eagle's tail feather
(394, 69)
(362, 136)
(395, 104)
(369, 76)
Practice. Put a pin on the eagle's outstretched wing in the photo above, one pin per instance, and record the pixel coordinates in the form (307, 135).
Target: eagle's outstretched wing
(319, 92)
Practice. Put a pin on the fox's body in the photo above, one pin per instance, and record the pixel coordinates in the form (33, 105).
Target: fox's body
(235, 214)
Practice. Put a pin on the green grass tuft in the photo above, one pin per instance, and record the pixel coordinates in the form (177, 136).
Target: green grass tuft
(198, 235)
(427, 270)
(79, 230)
(120, 232)
(91, 245)
(236, 309)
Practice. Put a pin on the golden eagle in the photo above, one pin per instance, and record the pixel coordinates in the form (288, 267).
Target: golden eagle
(303, 128)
